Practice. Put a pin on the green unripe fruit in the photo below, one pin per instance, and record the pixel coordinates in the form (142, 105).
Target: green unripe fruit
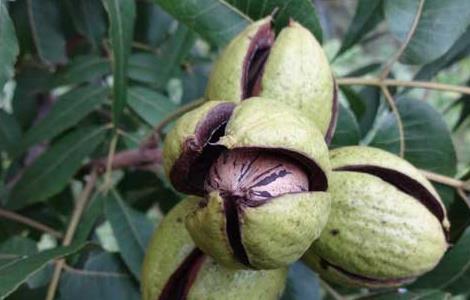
(262, 168)
(290, 68)
(175, 269)
(387, 223)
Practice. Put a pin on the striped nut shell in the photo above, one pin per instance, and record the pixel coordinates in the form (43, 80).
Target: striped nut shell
(290, 67)
(387, 223)
(175, 269)
(262, 169)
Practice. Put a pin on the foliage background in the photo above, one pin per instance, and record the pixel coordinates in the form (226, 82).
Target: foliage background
(89, 88)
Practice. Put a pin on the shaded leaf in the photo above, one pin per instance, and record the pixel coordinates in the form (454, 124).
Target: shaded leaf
(368, 14)
(89, 18)
(145, 68)
(151, 106)
(121, 15)
(347, 129)
(85, 68)
(14, 274)
(131, 229)
(103, 277)
(66, 112)
(440, 25)
(428, 143)
(9, 49)
(30, 83)
(153, 24)
(364, 70)
(454, 264)
(45, 21)
(215, 20)
(365, 105)
(51, 172)
(301, 11)
(460, 50)
(10, 133)
(302, 284)
(14, 248)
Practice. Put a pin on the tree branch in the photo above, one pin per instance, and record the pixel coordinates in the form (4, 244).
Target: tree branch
(393, 107)
(80, 205)
(404, 83)
(10, 215)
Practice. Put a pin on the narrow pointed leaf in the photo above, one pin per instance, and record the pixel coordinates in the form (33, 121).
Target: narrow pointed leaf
(215, 20)
(67, 112)
(17, 272)
(132, 231)
(151, 106)
(121, 14)
(51, 172)
(440, 25)
(44, 18)
(368, 14)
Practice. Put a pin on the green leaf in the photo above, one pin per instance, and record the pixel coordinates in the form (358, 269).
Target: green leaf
(302, 284)
(89, 19)
(368, 14)
(364, 104)
(14, 248)
(9, 49)
(301, 11)
(428, 143)
(131, 229)
(44, 17)
(103, 277)
(10, 133)
(460, 50)
(153, 24)
(215, 20)
(17, 272)
(347, 129)
(86, 68)
(454, 264)
(51, 172)
(144, 68)
(440, 25)
(151, 106)
(121, 15)
(66, 113)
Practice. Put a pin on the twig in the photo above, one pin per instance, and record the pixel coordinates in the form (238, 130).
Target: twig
(109, 161)
(139, 157)
(458, 184)
(331, 291)
(393, 107)
(404, 83)
(80, 205)
(396, 56)
(10, 215)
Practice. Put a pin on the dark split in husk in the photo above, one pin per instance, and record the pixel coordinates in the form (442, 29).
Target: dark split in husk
(253, 69)
(405, 184)
(369, 280)
(180, 282)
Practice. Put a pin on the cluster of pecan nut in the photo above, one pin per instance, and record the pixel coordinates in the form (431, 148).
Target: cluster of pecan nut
(266, 191)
